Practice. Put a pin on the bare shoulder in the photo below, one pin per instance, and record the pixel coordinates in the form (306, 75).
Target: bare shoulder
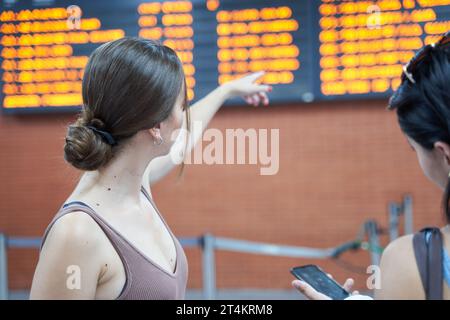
(75, 230)
(400, 278)
(399, 249)
(398, 257)
(74, 237)
(74, 244)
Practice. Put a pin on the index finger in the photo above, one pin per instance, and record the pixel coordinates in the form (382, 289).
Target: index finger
(256, 75)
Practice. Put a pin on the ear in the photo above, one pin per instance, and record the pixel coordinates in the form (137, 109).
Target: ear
(444, 150)
(155, 132)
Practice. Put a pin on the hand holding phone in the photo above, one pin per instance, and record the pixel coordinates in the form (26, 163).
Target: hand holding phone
(320, 281)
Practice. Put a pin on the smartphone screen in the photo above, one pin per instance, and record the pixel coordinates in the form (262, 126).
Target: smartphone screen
(319, 280)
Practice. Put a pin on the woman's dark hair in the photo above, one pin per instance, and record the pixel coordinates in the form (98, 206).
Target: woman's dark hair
(129, 85)
(423, 107)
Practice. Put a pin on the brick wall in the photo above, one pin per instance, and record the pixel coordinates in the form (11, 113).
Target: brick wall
(340, 163)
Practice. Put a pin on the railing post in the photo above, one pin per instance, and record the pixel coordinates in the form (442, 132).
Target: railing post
(209, 268)
(408, 212)
(374, 244)
(394, 211)
(3, 268)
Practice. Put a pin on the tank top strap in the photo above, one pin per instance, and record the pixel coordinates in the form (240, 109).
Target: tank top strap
(149, 198)
(146, 194)
(81, 206)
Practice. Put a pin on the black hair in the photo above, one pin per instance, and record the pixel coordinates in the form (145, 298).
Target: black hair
(423, 107)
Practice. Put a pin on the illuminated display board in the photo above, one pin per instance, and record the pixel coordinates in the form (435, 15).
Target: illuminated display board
(310, 49)
(363, 47)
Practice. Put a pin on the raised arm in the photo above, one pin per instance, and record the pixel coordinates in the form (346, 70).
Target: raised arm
(202, 112)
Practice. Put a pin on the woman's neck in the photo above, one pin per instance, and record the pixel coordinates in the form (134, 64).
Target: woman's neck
(120, 180)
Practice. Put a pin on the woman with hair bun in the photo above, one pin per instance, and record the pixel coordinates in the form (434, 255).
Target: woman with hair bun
(108, 240)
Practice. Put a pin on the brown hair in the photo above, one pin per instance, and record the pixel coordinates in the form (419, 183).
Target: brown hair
(129, 85)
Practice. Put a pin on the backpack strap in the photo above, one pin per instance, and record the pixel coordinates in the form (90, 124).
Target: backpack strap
(428, 252)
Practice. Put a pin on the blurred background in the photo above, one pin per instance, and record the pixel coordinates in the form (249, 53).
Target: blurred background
(343, 160)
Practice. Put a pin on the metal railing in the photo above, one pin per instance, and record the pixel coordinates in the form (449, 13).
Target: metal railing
(396, 210)
(368, 237)
(211, 243)
(207, 243)
(7, 242)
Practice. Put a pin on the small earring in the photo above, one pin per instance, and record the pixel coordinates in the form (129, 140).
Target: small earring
(160, 141)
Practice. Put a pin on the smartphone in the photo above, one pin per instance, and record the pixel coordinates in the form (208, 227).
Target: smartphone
(320, 281)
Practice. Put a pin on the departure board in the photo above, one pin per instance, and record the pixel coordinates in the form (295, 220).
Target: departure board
(364, 44)
(310, 49)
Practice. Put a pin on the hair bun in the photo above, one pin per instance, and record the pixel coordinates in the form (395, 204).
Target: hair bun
(97, 123)
(84, 149)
